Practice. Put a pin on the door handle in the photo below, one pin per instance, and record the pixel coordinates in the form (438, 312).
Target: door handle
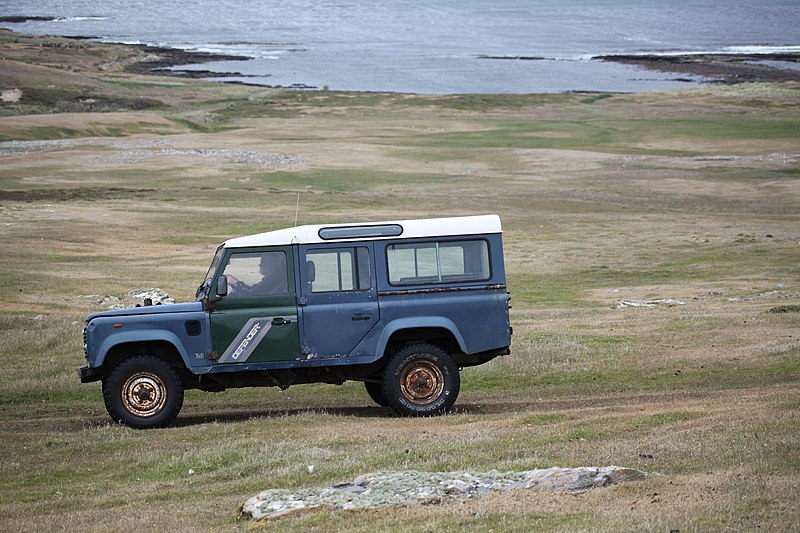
(362, 317)
(280, 321)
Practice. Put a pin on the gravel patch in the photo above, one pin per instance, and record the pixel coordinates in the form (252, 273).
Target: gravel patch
(136, 151)
(778, 158)
(10, 148)
(236, 157)
(382, 489)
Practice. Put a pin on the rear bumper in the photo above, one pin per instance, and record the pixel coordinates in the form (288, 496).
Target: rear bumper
(464, 360)
(88, 375)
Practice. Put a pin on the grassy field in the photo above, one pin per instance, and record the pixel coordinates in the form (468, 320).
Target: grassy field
(123, 181)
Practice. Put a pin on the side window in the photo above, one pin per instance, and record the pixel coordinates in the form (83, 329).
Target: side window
(338, 269)
(254, 274)
(438, 262)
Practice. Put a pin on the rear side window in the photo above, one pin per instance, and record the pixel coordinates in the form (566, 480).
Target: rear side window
(438, 262)
(338, 269)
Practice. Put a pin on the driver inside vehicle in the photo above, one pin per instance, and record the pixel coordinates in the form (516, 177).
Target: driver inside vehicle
(272, 271)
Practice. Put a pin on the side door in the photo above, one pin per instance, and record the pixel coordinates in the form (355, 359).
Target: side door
(339, 301)
(257, 320)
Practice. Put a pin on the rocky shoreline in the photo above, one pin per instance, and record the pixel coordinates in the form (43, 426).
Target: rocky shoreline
(726, 69)
(159, 60)
(152, 60)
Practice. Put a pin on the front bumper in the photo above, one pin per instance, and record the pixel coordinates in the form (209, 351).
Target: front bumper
(88, 375)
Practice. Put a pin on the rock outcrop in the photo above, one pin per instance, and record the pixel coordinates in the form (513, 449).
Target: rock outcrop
(406, 487)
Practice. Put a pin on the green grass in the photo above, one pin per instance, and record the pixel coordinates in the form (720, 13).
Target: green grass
(662, 419)
(540, 420)
(785, 309)
(548, 134)
(140, 83)
(46, 133)
(597, 98)
(609, 136)
(553, 384)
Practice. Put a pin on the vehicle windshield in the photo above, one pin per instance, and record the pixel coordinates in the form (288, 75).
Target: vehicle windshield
(203, 288)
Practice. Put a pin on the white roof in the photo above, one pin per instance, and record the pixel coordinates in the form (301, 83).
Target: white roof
(430, 227)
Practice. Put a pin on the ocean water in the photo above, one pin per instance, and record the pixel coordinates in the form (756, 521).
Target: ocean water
(431, 46)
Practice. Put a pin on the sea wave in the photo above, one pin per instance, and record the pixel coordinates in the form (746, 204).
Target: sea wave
(762, 49)
(756, 49)
(78, 19)
(253, 52)
(267, 51)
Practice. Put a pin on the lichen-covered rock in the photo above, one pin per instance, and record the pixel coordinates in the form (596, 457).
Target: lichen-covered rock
(157, 296)
(380, 489)
(134, 298)
(669, 302)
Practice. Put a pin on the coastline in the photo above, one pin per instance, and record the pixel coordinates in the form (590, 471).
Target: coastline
(282, 53)
(159, 60)
(727, 69)
(717, 68)
(150, 59)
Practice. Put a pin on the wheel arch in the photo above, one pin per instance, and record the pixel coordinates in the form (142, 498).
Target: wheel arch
(163, 347)
(439, 331)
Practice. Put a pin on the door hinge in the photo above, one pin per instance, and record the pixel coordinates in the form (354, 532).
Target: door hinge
(302, 300)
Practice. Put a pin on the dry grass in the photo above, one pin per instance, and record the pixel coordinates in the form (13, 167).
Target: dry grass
(689, 195)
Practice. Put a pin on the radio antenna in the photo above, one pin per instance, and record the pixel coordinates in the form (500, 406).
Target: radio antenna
(297, 209)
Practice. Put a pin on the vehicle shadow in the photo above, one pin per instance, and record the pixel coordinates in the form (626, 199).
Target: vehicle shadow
(96, 419)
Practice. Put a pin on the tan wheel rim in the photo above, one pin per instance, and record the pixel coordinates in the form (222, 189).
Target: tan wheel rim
(144, 394)
(422, 383)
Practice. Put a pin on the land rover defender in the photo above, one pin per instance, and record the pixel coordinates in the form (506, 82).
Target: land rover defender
(401, 306)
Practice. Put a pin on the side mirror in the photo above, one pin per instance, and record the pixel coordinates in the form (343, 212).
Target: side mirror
(222, 286)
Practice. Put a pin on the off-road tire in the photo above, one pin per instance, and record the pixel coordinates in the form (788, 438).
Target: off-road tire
(421, 380)
(375, 391)
(143, 392)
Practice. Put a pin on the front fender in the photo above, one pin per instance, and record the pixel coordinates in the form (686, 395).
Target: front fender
(129, 337)
(415, 323)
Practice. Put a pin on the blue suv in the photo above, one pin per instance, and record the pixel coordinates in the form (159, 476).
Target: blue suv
(401, 306)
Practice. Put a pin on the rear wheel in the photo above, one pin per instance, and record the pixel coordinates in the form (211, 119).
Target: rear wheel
(421, 380)
(143, 392)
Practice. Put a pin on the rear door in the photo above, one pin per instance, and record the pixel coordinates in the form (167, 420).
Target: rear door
(339, 302)
(257, 320)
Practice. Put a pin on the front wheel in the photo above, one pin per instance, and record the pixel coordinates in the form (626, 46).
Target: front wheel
(421, 380)
(375, 391)
(143, 392)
